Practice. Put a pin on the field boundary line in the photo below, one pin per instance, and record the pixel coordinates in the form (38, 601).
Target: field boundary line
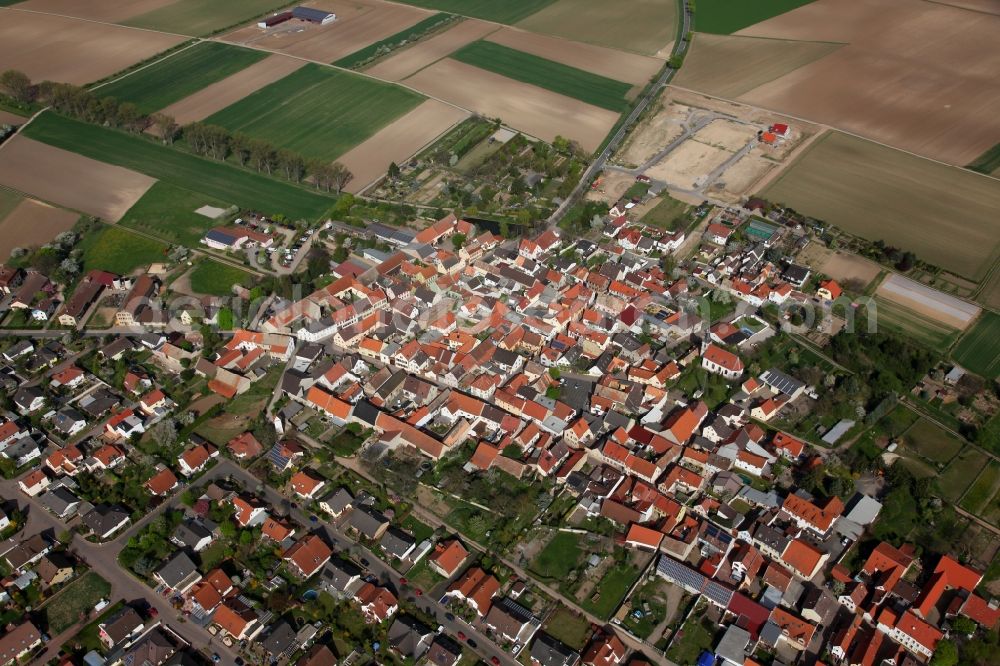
(834, 128)
(448, 55)
(157, 61)
(87, 20)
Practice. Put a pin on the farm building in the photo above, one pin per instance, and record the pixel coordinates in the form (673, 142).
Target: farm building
(313, 15)
(275, 19)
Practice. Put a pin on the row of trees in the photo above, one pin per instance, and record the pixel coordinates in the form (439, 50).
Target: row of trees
(203, 139)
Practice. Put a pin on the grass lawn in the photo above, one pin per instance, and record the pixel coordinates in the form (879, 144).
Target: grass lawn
(212, 556)
(196, 18)
(569, 627)
(168, 211)
(221, 181)
(560, 556)
(557, 77)
(610, 591)
(419, 530)
(980, 492)
(214, 278)
(346, 443)
(74, 601)
(508, 11)
(724, 17)
(696, 635)
(88, 638)
(931, 442)
(978, 350)
(667, 214)
(119, 251)
(960, 473)
(988, 162)
(180, 75)
(414, 32)
(317, 111)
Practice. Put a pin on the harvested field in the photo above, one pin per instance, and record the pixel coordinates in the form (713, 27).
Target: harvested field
(880, 193)
(685, 166)
(7, 118)
(318, 111)
(409, 60)
(546, 74)
(642, 26)
(70, 180)
(728, 66)
(610, 63)
(33, 223)
(194, 17)
(110, 11)
(978, 350)
(537, 112)
(230, 90)
(726, 134)
(181, 74)
(398, 141)
(57, 48)
(931, 303)
(655, 133)
(358, 24)
(926, 84)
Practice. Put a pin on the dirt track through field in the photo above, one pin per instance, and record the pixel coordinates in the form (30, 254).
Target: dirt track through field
(916, 75)
(70, 180)
(33, 223)
(538, 112)
(931, 303)
(409, 60)
(111, 11)
(359, 23)
(398, 141)
(231, 89)
(45, 46)
(618, 65)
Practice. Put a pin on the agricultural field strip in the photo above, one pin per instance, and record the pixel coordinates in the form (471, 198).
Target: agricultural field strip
(318, 111)
(572, 82)
(219, 180)
(417, 30)
(978, 350)
(181, 74)
(948, 306)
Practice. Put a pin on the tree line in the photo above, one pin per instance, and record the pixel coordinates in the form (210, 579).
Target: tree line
(203, 139)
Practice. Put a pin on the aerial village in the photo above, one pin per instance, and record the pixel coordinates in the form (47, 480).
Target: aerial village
(521, 451)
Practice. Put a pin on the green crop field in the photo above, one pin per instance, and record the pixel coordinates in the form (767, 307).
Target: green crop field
(724, 17)
(960, 473)
(218, 180)
(318, 111)
(978, 350)
(213, 278)
(988, 162)
(9, 200)
(931, 442)
(168, 211)
(198, 18)
(911, 324)
(980, 492)
(557, 77)
(414, 32)
(180, 75)
(119, 250)
(501, 11)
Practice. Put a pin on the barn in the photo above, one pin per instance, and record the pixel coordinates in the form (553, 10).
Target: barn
(314, 15)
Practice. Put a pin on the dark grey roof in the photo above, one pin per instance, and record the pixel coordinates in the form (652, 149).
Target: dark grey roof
(410, 637)
(177, 569)
(102, 519)
(338, 574)
(310, 14)
(281, 638)
(367, 520)
(396, 542)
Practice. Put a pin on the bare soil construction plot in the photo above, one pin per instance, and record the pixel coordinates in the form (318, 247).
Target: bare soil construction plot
(612, 187)
(111, 11)
(655, 133)
(406, 61)
(917, 75)
(641, 26)
(686, 166)
(618, 65)
(535, 111)
(70, 180)
(728, 66)
(741, 177)
(398, 141)
(33, 223)
(45, 46)
(726, 134)
(841, 266)
(222, 93)
(358, 24)
(931, 303)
